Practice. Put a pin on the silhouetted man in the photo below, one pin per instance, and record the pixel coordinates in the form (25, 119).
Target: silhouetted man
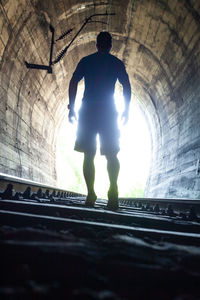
(98, 113)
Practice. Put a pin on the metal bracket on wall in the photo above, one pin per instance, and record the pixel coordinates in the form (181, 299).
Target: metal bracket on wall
(62, 53)
(44, 67)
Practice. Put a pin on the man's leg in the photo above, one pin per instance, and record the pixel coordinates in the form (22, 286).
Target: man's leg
(89, 175)
(113, 167)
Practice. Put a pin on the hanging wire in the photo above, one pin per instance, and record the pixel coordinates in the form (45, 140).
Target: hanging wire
(64, 34)
(62, 53)
(87, 20)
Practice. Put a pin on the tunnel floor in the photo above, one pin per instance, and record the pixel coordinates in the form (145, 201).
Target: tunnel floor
(45, 255)
(50, 264)
(54, 247)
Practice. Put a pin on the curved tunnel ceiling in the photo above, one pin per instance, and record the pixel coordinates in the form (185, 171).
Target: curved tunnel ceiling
(159, 41)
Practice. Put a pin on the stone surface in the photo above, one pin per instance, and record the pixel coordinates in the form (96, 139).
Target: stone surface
(90, 264)
(159, 41)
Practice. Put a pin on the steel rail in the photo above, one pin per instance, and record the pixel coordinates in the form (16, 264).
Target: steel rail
(19, 219)
(121, 217)
(15, 188)
(19, 184)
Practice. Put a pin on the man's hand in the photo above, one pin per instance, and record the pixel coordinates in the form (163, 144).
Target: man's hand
(125, 116)
(72, 116)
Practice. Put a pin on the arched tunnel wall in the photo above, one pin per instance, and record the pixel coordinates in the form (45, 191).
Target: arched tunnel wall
(159, 41)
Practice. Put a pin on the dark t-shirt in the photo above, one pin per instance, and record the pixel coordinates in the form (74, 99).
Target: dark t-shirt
(100, 72)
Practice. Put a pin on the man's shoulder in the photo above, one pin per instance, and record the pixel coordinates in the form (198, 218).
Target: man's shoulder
(116, 60)
(95, 56)
(89, 57)
(114, 57)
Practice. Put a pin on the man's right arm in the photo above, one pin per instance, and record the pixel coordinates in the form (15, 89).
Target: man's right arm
(72, 96)
(124, 80)
(77, 76)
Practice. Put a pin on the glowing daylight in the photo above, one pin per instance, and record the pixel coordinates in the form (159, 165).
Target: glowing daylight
(134, 156)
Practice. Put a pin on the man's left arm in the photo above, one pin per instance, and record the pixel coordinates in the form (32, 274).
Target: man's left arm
(124, 80)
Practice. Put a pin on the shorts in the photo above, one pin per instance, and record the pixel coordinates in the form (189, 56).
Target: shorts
(97, 119)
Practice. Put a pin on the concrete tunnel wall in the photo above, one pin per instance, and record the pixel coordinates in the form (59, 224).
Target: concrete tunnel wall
(159, 42)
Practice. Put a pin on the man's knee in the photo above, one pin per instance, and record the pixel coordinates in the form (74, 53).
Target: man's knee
(89, 156)
(112, 157)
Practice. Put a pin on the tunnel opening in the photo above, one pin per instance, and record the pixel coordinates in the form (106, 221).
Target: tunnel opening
(134, 156)
(159, 44)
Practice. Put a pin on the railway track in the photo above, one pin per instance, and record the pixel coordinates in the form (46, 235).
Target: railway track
(28, 197)
(51, 236)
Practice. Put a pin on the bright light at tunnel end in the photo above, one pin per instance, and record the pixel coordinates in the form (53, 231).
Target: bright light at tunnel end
(134, 155)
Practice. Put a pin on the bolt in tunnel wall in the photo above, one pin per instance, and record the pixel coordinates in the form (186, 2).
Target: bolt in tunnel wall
(159, 41)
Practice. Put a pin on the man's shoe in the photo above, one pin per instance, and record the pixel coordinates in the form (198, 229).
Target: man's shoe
(113, 199)
(90, 200)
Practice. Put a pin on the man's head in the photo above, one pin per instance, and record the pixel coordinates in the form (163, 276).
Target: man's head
(104, 41)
